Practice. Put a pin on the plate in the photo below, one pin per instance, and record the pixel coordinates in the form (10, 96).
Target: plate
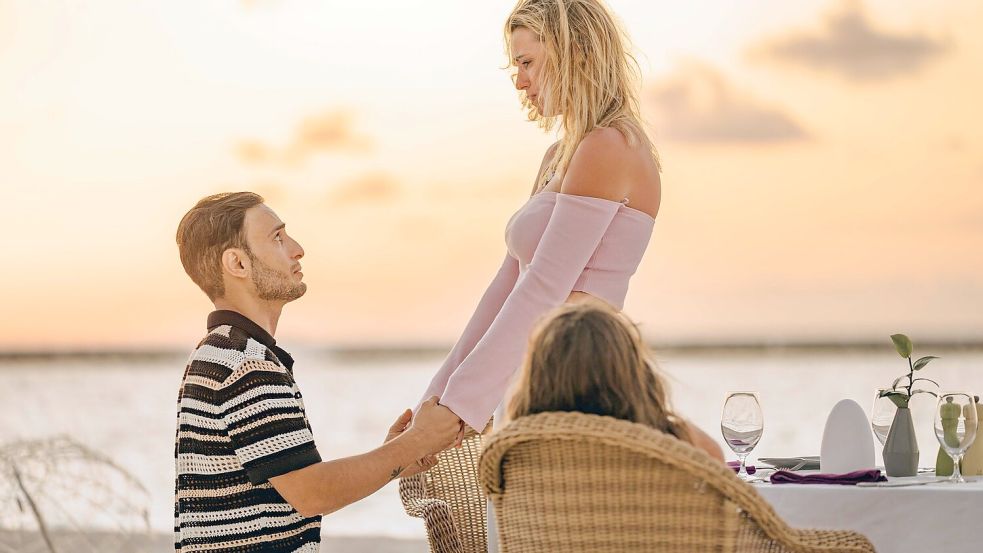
(810, 462)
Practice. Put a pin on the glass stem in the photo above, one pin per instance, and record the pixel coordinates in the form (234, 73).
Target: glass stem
(956, 474)
(742, 473)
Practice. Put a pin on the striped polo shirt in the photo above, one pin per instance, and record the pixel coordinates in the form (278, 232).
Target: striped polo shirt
(240, 422)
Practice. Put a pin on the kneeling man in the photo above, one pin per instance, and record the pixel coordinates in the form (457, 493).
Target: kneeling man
(249, 476)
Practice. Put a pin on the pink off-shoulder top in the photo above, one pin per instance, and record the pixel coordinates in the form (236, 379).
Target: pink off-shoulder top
(557, 244)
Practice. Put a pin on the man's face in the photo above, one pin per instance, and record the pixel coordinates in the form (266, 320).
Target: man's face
(274, 256)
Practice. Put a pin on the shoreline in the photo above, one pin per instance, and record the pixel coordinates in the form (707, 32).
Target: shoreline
(386, 352)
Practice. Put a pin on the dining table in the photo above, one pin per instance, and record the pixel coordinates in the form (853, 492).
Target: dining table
(917, 514)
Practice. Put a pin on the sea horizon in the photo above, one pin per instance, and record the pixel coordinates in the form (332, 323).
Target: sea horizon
(399, 351)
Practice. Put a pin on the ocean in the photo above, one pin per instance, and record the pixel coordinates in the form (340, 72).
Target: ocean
(124, 407)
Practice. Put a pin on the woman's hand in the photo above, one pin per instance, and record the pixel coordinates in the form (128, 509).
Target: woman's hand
(423, 465)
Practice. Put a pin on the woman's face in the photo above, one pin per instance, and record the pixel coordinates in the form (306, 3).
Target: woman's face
(529, 57)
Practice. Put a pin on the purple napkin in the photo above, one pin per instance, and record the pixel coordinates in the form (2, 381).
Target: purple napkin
(736, 466)
(848, 479)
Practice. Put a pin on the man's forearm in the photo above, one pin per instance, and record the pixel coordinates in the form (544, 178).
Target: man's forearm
(328, 486)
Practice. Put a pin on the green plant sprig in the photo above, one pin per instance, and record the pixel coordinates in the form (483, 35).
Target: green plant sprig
(902, 396)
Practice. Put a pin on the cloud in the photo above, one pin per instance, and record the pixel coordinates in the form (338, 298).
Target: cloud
(327, 132)
(324, 133)
(851, 46)
(252, 151)
(697, 104)
(954, 143)
(372, 188)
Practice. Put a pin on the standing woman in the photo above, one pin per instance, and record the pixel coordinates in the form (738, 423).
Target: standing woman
(586, 226)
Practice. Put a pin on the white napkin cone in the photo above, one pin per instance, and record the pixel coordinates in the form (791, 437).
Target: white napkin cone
(848, 444)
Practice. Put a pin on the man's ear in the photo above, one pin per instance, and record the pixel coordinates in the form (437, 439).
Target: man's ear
(235, 263)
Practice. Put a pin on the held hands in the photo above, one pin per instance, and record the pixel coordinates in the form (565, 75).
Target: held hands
(438, 427)
(435, 428)
(398, 427)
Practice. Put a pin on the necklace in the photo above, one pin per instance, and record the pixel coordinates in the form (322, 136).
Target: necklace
(546, 180)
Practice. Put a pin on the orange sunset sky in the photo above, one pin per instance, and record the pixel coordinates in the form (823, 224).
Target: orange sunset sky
(823, 165)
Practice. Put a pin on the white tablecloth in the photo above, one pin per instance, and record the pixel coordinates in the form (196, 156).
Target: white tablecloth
(932, 518)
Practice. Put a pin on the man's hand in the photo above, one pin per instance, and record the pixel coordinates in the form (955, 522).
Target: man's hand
(401, 424)
(398, 427)
(436, 427)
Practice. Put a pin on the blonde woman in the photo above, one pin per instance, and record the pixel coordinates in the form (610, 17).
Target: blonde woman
(594, 200)
(586, 357)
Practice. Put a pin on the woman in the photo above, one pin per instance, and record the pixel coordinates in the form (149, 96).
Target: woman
(594, 200)
(589, 358)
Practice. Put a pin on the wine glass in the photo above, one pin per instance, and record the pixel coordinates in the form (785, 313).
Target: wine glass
(742, 424)
(882, 416)
(955, 428)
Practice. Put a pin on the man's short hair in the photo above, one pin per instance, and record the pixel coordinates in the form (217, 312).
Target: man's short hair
(212, 226)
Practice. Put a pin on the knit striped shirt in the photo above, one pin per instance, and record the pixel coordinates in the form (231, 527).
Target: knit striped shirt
(240, 422)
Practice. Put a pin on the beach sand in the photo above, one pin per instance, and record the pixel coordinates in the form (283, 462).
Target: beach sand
(105, 542)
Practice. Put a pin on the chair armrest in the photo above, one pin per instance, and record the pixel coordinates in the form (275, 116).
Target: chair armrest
(442, 532)
(413, 494)
(845, 541)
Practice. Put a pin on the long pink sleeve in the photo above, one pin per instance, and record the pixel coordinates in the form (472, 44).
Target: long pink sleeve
(574, 231)
(489, 306)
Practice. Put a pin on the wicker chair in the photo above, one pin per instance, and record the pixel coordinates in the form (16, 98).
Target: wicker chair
(574, 482)
(450, 500)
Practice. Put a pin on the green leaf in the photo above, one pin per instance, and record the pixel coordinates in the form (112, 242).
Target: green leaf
(903, 344)
(928, 379)
(920, 391)
(920, 364)
(899, 400)
(894, 385)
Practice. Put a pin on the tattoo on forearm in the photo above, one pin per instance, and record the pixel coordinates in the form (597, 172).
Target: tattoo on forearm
(396, 472)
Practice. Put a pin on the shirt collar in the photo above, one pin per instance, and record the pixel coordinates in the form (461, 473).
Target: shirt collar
(256, 332)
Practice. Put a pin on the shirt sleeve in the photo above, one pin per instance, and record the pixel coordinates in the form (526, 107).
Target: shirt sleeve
(489, 306)
(575, 229)
(266, 422)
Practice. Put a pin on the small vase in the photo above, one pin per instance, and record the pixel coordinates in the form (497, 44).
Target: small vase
(901, 446)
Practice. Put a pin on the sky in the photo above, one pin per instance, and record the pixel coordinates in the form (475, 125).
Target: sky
(823, 165)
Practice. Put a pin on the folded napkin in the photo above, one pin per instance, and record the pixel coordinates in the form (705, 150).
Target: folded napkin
(736, 465)
(847, 479)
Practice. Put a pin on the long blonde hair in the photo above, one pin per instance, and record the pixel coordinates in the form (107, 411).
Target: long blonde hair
(587, 357)
(590, 77)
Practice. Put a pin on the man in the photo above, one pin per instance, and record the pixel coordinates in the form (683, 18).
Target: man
(249, 477)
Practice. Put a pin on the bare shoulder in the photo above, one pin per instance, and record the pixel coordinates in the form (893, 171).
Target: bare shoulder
(702, 440)
(605, 145)
(604, 166)
(606, 138)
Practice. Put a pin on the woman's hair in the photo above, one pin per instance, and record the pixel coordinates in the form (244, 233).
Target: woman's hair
(587, 357)
(589, 77)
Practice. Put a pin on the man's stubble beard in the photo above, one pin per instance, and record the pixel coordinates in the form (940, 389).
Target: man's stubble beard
(273, 285)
